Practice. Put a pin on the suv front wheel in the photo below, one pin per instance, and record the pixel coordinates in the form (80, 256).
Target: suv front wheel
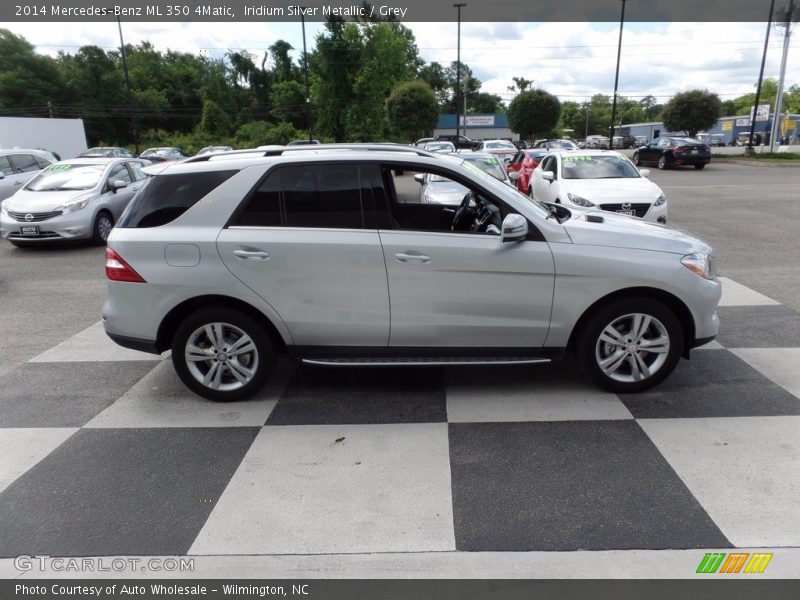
(630, 345)
(222, 354)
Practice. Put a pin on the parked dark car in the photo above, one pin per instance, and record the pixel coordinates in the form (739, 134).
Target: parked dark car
(106, 152)
(666, 152)
(459, 141)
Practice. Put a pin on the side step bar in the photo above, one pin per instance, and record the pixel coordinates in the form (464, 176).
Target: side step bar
(438, 361)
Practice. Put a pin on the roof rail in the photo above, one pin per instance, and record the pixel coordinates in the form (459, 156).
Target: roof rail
(314, 148)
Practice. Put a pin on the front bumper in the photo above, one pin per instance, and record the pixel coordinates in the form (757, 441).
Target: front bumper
(73, 226)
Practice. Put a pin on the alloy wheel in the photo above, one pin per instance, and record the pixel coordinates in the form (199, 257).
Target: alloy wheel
(221, 356)
(632, 348)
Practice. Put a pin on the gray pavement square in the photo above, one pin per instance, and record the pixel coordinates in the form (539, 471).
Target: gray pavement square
(759, 327)
(575, 485)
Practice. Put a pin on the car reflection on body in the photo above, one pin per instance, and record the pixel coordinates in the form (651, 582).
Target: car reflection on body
(484, 161)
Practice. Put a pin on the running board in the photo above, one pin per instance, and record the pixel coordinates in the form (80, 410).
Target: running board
(437, 361)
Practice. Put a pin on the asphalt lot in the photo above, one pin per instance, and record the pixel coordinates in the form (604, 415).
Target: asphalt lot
(429, 472)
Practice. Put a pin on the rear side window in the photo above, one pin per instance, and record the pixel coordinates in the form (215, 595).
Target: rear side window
(24, 163)
(5, 166)
(42, 162)
(314, 196)
(166, 197)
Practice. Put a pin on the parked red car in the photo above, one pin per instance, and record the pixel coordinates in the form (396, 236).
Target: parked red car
(524, 162)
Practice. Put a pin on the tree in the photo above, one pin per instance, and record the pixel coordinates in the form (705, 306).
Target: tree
(289, 103)
(28, 81)
(412, 109)
(520, 84)
(484, 103)
(692, 111)
(533, 112)
(214, 121)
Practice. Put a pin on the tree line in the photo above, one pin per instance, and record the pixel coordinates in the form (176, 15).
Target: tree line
(367, 83)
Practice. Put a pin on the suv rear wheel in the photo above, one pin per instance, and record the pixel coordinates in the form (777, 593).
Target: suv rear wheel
(222, 354)
(630, 345)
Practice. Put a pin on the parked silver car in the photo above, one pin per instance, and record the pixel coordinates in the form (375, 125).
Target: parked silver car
(71, 200)
(331, 258)
(17, 167)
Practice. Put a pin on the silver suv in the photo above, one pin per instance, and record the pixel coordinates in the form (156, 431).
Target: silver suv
(329, 255)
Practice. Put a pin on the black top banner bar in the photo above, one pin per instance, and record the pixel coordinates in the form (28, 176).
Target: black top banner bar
(401, 10)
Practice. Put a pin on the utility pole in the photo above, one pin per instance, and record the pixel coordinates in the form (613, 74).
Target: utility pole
(787, 23)
(305, 70)
(749, 149)
(128, 86)
(616, 78)
(458, 72)
(50, 108)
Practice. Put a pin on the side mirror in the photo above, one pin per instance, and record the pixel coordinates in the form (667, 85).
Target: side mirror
(513, 175)
(117, 184)
(515, 229)
(644, 172)
(419, 178)
(548, 175)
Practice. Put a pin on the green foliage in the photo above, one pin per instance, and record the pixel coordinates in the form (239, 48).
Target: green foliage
(215, 122)
(27, 80)
(261, 133)
(289, 103)
(412, 109)
(692, 111)
(533, 112)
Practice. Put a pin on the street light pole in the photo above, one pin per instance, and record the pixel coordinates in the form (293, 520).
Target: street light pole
(787, 23)
(616, 78)
(749, 149)
(305, 70)
(458, 72)
(128, 86)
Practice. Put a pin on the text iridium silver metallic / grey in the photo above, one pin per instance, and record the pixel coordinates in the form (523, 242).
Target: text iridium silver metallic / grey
(628, 296)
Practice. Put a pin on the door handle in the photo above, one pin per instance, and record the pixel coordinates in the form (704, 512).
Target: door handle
(412, 258)
(251, 254)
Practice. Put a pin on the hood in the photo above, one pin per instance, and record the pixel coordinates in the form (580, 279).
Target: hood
(620, 231)
(607, 190)
(27, 201)
(445, 192)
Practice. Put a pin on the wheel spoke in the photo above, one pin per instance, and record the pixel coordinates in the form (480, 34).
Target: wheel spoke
(635, 371)
(611, 336)
(211, 335)
(613, 362)
(238, 370)
(213, 376)
(642, 368)
(641, 323)
(196, 354)
(659, 345)
(243, 345)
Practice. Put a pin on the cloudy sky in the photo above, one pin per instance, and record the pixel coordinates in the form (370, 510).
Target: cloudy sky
(572, 60)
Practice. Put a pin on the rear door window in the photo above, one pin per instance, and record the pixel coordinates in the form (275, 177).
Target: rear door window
(5, 166)
(24, 163)
(166, 197)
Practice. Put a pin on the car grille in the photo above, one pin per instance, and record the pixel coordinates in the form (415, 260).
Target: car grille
(640, 210)
(16, 235)
(37, 217)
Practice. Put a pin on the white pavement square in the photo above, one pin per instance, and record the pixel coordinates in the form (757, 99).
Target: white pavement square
(314, 489)
(736, 294)
(781, 365)
(745, 472)
(91, 344)
(160, 399)
(502, 394)
(21, 449)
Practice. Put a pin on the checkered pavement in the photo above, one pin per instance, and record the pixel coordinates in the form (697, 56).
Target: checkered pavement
(106, 453)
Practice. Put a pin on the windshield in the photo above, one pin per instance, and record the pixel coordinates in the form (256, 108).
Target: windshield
(488, 165)
(583, 166)
(67, 176)
(440, 146)
(683, 141)
(502, 189)
(500, 144)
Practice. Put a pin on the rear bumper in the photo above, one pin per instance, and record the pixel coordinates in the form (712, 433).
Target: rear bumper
(148, 346)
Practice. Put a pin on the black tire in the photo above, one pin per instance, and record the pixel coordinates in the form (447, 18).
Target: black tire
(260, 361)
(591, 349)
(662, 162)
(700, 166)
(636, 160)
(101, 229)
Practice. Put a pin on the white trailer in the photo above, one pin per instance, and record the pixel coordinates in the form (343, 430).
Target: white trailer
(65, 137)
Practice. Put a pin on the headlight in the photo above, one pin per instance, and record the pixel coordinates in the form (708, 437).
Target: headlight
(74, 205)
(579, 200)
(662, 199)
(704, 265)
(3, 208)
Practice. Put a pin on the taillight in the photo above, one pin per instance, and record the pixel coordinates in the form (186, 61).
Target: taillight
(118, 270)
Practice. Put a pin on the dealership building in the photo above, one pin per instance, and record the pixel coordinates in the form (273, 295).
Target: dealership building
(478, 127)
(728, 127)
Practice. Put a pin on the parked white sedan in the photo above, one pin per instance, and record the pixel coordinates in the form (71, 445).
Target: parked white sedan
(599, 178)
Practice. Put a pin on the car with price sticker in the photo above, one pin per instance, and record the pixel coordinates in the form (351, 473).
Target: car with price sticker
(601, 179)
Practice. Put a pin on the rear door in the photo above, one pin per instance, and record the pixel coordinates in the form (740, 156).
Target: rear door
(304, 242)
(21, 168)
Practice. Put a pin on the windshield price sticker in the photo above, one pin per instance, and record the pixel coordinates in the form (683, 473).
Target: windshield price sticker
(568, 159)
